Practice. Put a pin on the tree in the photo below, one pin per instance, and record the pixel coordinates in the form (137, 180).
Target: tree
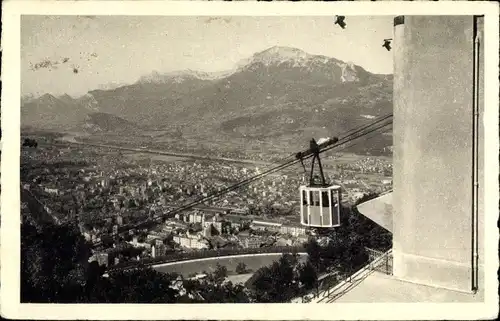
(366, 197)
(261, 285)
(190, 286)
(93, 277)
(141, 238)
(143, 285)
(276, 283)
(223, 293)
(308, 276)
(54, 262)
(30, 143)
(55, 269)
(353, 256)
(130, 251)
(213, 292)
(220, 273)
(241, 268)
(314, 253)
(128, 237)
(107, 240)
(373, 235)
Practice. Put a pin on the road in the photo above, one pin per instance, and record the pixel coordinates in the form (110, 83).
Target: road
(212, 209)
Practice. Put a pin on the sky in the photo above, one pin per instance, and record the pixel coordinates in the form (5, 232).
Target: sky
(120, 49)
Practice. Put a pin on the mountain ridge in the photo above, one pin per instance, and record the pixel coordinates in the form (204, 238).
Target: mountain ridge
(280, 93)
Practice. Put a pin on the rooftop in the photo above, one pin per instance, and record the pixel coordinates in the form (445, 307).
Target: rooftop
(267, 222)
(379, 210)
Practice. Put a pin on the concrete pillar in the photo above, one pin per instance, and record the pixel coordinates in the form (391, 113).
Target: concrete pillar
(432, 198)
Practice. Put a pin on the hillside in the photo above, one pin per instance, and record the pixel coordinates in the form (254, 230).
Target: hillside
(281, 96)
(103, 122)
(54, 113)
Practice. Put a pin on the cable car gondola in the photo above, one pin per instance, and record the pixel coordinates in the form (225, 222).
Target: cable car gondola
(319, 200)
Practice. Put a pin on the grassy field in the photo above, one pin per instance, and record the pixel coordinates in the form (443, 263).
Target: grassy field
(145, 156)
(239, 278)
(253, 263)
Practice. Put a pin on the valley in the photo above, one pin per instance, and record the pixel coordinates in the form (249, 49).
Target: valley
(272, 104)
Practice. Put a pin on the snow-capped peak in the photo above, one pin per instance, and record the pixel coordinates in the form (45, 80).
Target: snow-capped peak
(349, 73)
(282, 53)
(181, 75)
(277, 55)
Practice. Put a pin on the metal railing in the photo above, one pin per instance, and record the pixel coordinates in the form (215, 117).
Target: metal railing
(380, 261)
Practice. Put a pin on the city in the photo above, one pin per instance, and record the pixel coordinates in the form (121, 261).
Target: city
(104, 190)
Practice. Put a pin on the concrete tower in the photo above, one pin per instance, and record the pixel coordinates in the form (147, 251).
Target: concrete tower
(438, 89)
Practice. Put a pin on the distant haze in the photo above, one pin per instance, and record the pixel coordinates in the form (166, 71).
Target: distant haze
(76, 54)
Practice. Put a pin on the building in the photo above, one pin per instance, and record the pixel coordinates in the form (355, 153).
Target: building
(168, 228)
(191, 242)
(237, 221)
(434, 151)
(293, 229)
(196, 218)
(54, 191)
(436, 210)
(153, 236)
(219, 225)
(102, 258)
(159, 249)
(199, 244)
(387, 181)
(85, 233)
(252, 242)
(266, 226)
(207, 231)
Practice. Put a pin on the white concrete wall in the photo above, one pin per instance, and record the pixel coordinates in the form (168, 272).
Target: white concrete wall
(432, 199)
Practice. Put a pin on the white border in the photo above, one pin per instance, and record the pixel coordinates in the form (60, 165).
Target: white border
(10, 198)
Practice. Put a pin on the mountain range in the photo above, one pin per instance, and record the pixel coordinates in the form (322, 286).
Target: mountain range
(280, 96)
